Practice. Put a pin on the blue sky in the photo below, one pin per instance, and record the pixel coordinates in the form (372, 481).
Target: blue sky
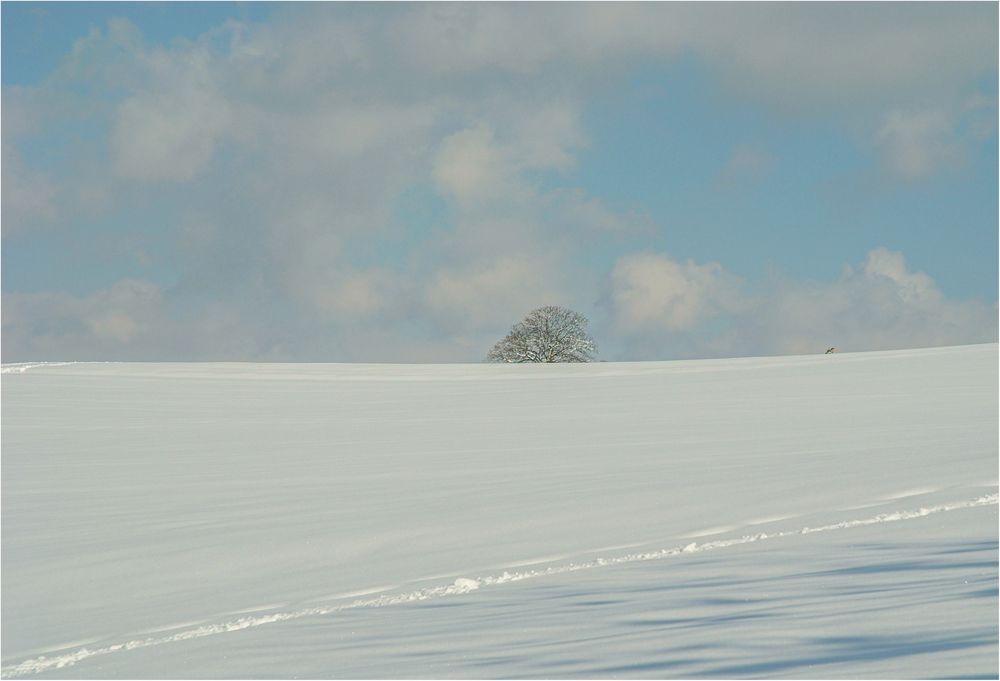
(402, 182)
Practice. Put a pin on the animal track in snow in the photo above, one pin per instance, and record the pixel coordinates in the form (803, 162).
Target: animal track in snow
(464, 585)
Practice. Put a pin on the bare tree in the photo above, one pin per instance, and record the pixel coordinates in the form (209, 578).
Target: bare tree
(548, 334)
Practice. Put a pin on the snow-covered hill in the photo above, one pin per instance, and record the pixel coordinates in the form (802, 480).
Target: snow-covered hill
(830, 515)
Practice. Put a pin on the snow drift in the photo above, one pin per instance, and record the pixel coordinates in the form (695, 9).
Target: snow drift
(205, 520)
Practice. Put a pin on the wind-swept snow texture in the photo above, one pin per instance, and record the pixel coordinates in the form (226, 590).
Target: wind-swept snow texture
(815, 516)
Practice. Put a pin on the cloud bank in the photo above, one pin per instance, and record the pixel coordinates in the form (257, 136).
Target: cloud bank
(269, 163)
(660, 305)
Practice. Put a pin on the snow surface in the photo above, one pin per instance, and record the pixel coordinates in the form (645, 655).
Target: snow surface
(811, 516)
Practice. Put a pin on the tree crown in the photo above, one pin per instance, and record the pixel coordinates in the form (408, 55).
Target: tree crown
(547, 334)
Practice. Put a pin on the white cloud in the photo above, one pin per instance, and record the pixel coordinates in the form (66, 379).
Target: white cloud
(324, 132)
(359, 296)
(652, 292)
(477, 165)
(913, 288)
(872, 55)
(917, 144)
(167, 137)
(792, 56)
(363, 296)
(665, 308)
(107, 58)
(170, 130)
(102, 324)
(135, 320)
(462, 38)
(472, 166)
(29, 196)
(492, 294)
(114, 325)
(878, 305)
(293, 140)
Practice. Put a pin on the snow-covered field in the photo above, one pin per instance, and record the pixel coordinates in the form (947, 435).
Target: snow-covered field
(812, 516)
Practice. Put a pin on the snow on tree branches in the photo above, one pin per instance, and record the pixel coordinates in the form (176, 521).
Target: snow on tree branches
(548, 334)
